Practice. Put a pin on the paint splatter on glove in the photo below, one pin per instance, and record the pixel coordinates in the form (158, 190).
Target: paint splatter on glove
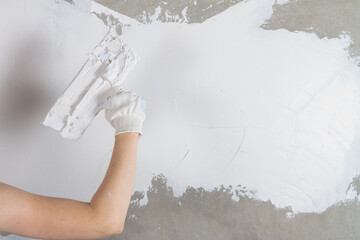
(126, 111)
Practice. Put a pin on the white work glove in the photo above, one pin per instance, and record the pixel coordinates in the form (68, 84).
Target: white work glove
(126, 112)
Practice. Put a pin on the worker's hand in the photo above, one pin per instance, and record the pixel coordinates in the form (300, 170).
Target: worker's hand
(126, 112)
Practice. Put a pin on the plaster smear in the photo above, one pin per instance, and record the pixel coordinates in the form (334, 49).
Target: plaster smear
(90, 91)
(275, 111)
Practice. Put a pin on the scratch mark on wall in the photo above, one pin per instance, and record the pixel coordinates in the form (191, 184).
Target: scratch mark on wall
(187, 152)
(183, 126)
(240, 145)
(301, 191)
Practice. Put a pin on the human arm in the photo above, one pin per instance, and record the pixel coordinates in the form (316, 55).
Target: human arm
(37, 216)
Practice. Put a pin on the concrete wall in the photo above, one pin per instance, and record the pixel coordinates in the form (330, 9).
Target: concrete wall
(252, 128)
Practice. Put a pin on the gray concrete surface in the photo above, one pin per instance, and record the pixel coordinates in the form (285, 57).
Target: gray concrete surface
(213, 214)
(325, 18)
(189, 11)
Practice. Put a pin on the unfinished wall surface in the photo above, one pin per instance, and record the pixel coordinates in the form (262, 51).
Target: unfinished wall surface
(327, 19)
(185, 11)
(252, 128)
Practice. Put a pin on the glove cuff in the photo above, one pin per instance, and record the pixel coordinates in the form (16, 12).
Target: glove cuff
(128, 123)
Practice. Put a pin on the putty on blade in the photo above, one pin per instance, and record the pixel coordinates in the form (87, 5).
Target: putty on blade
(91, 89)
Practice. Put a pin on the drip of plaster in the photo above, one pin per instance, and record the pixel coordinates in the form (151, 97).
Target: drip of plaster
(90, 91)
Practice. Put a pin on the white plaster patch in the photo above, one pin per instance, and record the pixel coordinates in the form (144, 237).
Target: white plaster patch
(274, 111)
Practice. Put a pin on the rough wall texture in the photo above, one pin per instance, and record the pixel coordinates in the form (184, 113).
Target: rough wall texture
(325, 18)
(213, 214)
(188, 11)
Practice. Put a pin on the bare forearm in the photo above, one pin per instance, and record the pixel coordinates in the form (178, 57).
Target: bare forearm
(43, 217)
(113, 197)
(37, 216)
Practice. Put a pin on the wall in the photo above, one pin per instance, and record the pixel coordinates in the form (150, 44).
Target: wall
(252, 121)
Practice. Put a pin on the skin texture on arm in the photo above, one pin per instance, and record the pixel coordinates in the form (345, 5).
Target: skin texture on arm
(37, 216)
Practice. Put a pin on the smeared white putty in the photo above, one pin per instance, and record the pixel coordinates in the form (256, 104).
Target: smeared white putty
(90, 91)
(274, 111)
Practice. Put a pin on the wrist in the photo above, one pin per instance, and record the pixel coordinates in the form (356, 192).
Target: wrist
(128, 123)
(123, 135)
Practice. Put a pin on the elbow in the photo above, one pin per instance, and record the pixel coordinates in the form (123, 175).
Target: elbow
(116, 229)
(108, 224)
(113, 227)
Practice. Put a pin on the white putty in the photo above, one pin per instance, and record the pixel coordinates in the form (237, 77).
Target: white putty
(90, 91)
(273, 111)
